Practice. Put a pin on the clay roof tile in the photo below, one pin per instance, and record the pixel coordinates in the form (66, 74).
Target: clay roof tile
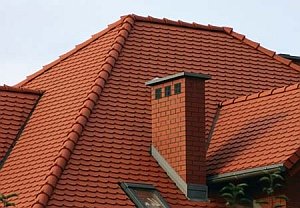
(94, 122)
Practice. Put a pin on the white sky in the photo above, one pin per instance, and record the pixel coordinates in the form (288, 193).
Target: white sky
(34, 33)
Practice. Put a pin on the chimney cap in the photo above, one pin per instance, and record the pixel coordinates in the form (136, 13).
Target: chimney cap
(156, 80)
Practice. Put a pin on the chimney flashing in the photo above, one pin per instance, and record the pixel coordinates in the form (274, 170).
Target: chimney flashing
(195, 192)
(156, 80)
(178, 130)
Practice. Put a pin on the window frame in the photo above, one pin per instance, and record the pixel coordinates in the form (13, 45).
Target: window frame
(128, 188)
(158, 93)
(168, 91)
(177, 88)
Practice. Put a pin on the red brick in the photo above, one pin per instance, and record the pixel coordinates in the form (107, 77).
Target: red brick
(182, 113)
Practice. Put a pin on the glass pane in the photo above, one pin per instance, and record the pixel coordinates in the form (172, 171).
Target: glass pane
(167, 91)
(158, 93)
(149, 198)
(177, 88)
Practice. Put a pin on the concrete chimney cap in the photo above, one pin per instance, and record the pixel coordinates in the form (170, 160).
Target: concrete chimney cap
(158, 80)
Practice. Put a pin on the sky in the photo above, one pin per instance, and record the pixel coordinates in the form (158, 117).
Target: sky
(34, 33)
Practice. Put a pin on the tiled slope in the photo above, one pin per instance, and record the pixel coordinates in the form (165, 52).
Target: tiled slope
(236, 68)
(115, 148)
(262, 130)
(116, 141)
(15, 107)
(66, 85)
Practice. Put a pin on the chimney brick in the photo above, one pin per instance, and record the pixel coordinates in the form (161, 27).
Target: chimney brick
(178, 124)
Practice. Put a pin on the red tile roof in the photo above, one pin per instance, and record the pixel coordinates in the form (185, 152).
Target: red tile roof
(92, 127)
(15, 107)
(256, 131)
(66, 86)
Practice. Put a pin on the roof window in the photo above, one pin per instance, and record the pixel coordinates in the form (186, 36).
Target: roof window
(144, 195)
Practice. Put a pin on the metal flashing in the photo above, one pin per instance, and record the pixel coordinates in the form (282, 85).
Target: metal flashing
(197, 192)
(237, 175)
(214, 123)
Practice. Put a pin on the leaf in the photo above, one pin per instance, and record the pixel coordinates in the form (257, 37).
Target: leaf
(241, 193)
(264, 179)
(242, 185)
(226, 189)
(227, 196)
(277, 176)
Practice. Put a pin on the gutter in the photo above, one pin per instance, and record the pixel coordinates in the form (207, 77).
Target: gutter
(252, 172)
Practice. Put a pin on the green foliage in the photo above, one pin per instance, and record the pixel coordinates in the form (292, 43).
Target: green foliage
(4, 199)
(271, 182)
(235, 195)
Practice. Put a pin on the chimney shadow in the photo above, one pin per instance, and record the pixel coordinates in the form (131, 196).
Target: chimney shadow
(251, 135)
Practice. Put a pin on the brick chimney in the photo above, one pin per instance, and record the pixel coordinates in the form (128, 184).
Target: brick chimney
(178, 130)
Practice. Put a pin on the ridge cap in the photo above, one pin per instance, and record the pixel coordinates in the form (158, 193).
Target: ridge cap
(56, 170)
(178, 23)
(20, 90)
(64, 56)
(257, 46)
(260, 94)
(227, 30)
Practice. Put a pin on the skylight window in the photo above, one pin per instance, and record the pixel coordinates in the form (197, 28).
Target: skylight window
(144, 195)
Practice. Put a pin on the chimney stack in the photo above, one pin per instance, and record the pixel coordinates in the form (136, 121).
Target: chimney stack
(178, 130)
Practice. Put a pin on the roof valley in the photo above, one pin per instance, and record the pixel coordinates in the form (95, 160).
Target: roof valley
(65, 152)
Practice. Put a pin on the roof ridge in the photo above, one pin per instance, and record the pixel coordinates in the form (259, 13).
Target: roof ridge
(227, 30)
(69, 53)
(177, 23)
(166, 21)
(93, 96)
(261, 94)
(20, 89)
(258, 47)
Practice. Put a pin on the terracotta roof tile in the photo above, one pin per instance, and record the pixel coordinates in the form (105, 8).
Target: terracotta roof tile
(257, 46)
(116, 140)
(66, 85)
(256, 131)
(85, 112)
(92, 127)
(16, 105)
